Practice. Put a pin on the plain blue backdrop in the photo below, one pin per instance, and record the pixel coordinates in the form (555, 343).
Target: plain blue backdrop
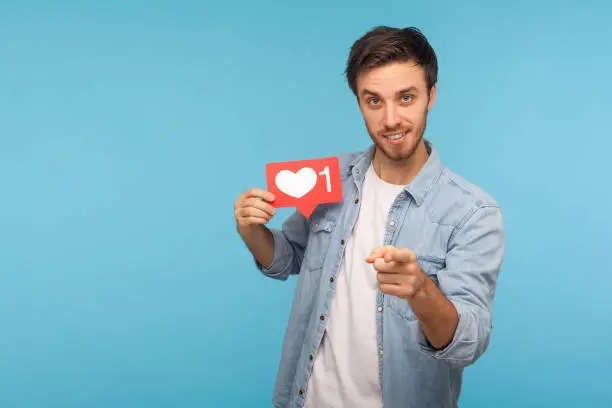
(128, 129)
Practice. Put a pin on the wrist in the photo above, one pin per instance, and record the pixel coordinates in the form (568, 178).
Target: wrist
(247, 231)
(421, 291)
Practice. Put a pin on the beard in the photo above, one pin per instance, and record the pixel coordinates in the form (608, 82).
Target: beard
(406, 149)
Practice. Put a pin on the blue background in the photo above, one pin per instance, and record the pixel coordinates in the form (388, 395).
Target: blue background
(127, 130)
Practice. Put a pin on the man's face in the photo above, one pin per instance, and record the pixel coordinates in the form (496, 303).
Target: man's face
(394, 101)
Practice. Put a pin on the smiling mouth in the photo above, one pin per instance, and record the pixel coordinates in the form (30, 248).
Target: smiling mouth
(396, 137)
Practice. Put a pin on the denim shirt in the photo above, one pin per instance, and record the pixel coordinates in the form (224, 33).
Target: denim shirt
(456, 231)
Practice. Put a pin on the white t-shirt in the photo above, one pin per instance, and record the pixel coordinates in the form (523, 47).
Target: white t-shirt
(345, 371)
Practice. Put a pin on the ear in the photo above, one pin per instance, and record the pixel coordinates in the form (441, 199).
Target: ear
(432, 97)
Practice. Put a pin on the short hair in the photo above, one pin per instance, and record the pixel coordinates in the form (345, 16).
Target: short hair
(383, 45)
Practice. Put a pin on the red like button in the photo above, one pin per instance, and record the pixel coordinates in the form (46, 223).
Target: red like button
(304, 184)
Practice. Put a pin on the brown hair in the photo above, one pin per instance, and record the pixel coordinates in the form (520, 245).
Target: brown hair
(383, 45)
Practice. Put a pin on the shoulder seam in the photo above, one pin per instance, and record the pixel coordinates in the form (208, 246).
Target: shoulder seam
(469, 215)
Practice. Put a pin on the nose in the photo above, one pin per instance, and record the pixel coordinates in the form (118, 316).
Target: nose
(392, 119)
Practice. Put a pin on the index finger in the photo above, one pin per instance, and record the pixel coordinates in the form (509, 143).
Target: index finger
(379, 252)
(259, 193)
(402, 255)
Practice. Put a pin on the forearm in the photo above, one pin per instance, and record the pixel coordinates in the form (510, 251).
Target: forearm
(259, 240)
(453, 330)
(436, 314)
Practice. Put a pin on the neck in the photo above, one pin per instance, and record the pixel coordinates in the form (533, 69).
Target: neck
(400, 172)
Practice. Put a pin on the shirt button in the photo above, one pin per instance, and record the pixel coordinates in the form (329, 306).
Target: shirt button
(301, 392)
(356, 200)
(381, 352)
(391, 223)
(342, 242)
(322, 317)
(331, 279)
(380, 308)
(311, 357)
(316, 227)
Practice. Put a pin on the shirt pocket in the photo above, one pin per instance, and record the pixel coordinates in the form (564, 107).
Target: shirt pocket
(431, 266)
(319, 242)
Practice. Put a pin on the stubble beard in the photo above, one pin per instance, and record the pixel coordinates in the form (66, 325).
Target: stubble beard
(380, 144)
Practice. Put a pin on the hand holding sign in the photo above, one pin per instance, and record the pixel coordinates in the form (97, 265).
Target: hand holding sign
(252, 208)
(305, 183)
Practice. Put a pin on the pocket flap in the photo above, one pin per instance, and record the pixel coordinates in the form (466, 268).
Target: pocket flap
(430, 265)
(323, 224)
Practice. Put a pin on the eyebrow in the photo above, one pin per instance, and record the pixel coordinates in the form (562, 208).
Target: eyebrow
(400, 92)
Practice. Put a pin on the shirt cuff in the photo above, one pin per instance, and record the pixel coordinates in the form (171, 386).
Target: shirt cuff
(462, 347)
(276, 234)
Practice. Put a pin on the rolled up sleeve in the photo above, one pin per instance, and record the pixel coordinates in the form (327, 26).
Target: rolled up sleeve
(289, 246)
(469, 281)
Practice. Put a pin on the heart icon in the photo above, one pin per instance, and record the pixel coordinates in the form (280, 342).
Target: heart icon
(296, 184)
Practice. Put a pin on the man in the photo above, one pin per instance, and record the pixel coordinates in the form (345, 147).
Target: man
(396, 282)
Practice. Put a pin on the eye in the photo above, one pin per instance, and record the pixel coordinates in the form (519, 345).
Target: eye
(406, 98)
(373, 101)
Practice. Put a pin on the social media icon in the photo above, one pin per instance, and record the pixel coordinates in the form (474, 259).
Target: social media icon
(304, 184)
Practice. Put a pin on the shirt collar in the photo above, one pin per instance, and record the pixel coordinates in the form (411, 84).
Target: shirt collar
(419, 187)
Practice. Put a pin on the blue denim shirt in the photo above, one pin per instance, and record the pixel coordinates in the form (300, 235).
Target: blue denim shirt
(456, 230)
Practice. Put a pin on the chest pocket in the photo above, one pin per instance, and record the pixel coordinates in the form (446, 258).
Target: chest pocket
(431, 266)
(319, 242)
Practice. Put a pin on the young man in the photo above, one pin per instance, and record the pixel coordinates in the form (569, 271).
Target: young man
(395, 283)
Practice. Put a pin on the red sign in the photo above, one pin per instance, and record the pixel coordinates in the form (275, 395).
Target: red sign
(304, 184)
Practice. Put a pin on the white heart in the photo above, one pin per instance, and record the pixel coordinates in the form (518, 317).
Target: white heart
(296, 184)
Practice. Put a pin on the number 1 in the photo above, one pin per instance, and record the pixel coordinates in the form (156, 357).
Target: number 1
(325, 173)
